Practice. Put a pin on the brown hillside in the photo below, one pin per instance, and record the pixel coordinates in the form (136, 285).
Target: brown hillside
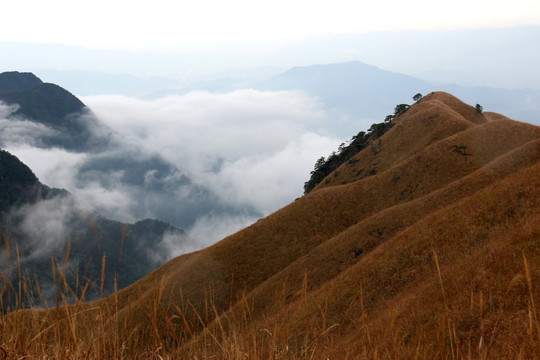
(337, 254)
(425, 123)
(481, 243)
(434, 121)
(426, 244)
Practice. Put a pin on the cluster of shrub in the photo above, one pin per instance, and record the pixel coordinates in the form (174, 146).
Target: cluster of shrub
(325, 166)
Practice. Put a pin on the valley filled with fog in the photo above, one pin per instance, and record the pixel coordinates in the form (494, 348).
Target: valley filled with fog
(208, 163)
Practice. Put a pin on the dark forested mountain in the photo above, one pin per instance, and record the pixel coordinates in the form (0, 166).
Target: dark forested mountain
(19, 185)
(47, 103)
(38, 223)
(40, 226)
(13, 81)
(52, 106)
(17, 181)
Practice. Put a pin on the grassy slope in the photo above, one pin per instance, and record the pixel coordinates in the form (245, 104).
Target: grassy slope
(480, 243)
(477, 214)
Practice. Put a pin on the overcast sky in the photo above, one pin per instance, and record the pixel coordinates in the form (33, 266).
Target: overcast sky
(167, 25)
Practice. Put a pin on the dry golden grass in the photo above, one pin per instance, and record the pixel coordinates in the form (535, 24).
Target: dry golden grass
(436, 255)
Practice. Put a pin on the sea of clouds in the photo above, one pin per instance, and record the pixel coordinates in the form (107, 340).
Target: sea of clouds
(246, 154)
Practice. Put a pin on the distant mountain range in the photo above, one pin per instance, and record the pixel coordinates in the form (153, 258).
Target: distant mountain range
(364, 91)
(355, 88)
(466, 57)
(361, 91)
(471, 57)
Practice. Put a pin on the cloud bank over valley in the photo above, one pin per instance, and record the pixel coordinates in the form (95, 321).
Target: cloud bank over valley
(244, 145)
(209, 163)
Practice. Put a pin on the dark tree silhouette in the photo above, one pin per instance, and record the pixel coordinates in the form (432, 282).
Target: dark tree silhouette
(401, 108)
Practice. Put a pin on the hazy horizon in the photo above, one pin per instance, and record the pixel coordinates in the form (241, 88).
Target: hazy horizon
(194, 40)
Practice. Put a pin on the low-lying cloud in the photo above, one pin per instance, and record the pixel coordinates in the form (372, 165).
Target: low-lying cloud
(231, 125)
(211, 228)
(235, 157)
(253, 148)
(45, 224)
(268, 182)
(17, 130)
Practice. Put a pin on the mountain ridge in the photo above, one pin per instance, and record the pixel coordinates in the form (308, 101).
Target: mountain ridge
(429, 255)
